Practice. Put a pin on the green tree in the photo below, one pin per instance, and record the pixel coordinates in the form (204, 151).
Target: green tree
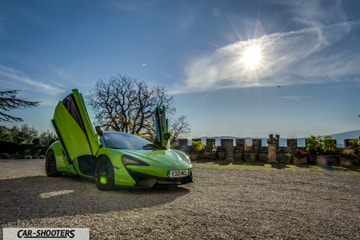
(46, 137)
(9, 101)
(14, 134)
(5, 134)
(25, 134)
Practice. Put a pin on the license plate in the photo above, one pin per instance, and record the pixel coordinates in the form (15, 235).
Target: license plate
(178, 173)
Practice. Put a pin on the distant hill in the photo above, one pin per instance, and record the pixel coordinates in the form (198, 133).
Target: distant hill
(340, 137)
(346, 135)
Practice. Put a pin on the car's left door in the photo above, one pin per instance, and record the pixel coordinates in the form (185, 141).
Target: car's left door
(74, 128)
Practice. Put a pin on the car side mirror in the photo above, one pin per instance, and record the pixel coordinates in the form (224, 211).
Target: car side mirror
(99, 130)
(166, 136)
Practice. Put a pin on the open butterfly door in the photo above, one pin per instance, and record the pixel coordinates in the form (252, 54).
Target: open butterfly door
(161, 127)
(74, 128)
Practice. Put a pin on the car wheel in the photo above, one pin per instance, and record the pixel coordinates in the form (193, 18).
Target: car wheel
(50, 164)
(104, 174)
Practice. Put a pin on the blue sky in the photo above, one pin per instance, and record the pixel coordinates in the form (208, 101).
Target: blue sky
(238, 68)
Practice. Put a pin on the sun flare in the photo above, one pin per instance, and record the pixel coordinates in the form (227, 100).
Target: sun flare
(252, 57)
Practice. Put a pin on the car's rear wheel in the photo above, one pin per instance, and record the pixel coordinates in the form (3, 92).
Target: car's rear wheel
(50, 164)
(104, 174)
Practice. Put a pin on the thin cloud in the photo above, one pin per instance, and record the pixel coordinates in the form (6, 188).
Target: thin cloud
(128, 5)
(297, 57)
(311, 54)
(16, 79)
(294, 98)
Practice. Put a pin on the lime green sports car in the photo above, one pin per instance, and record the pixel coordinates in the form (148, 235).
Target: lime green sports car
(113, 159)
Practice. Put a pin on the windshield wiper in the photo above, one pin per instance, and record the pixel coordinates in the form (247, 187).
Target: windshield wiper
(151, 146)
(116, 147)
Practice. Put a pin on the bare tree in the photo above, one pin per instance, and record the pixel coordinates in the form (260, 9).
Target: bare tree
(9, 101)
(180, 128)
(126, 104)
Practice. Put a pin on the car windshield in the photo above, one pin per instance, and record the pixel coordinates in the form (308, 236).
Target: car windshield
(120, 140)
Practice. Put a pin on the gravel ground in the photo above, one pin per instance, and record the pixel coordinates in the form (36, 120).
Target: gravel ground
(220, 204)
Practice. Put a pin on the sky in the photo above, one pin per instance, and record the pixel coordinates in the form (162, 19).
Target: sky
(235, 68)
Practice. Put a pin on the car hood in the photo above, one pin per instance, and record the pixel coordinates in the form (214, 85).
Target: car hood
(169, 157)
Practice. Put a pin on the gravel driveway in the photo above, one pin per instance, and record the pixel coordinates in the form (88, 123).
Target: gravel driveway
(220, 204)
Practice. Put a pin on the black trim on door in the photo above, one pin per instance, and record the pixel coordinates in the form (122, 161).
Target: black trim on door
(61, 142)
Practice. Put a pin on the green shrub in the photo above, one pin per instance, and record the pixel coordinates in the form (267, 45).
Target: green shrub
(314, 144)
(197, 145)
(347, 152)
(5, 155)
(329, 145)
(354, 144)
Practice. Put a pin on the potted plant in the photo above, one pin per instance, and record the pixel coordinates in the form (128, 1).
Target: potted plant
(329, 148)
(300, 157)
(355, 145)
(321, 149)
(314, 147)
(346, 158)
(350, 155)
(197, 147)
(329, 145)
(210, 149)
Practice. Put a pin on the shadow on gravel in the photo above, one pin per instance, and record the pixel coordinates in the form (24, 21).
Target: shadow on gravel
(40, 196)
(279, 165)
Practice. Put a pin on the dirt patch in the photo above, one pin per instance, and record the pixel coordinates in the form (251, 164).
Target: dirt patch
(220, 204)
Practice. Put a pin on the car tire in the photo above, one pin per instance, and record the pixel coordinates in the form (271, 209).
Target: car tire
(104, 174)
(50, 164)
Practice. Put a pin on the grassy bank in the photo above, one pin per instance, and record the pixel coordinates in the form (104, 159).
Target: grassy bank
(274, 167)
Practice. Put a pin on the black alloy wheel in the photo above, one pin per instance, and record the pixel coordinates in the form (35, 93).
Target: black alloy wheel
(50, 164)
(104, 174)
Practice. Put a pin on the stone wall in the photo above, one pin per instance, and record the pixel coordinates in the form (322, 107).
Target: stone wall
(239, 149)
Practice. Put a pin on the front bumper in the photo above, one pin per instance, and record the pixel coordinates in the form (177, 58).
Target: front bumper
(148, 181)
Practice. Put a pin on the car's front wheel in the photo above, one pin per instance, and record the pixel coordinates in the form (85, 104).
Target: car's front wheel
(50, 164)
(104, 174)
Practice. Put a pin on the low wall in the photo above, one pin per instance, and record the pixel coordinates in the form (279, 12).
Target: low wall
(240, 149)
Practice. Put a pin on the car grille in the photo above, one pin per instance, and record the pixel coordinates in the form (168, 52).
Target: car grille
(148, 181)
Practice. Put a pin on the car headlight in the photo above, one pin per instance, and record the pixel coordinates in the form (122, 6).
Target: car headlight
(188, 159)
(183, 157)
(128, 160)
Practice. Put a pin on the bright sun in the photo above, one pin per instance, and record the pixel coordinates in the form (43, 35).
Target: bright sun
(252, 57)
